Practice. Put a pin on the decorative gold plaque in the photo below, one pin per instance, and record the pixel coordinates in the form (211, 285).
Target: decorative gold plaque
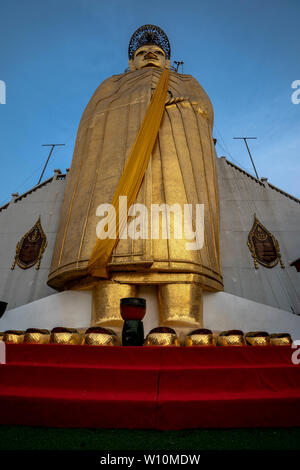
(30, 249)
(263, 246)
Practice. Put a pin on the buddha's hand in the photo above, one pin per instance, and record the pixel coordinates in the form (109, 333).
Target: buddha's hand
(174, 100)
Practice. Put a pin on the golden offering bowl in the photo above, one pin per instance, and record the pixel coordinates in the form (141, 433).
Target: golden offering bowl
(281, 339)
(162, 336)
(231, 338)
(1, 336)
(200, 337)
(257, 338)
(61, 335)
(98, 336)
(13, 336)
(36, 336)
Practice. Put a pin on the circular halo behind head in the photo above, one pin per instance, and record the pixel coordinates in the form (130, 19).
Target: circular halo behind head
(149, 34)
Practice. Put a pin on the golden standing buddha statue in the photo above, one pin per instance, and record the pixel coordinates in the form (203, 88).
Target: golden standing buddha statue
(181, 170)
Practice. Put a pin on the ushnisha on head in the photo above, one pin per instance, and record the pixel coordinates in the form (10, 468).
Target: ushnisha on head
(149, 47)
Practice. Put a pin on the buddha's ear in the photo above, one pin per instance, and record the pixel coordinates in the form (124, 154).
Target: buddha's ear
(167, 64)
(131, 65)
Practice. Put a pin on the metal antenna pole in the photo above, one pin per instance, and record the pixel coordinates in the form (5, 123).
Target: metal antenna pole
(245, 140)
(52, 147)
(177, 62)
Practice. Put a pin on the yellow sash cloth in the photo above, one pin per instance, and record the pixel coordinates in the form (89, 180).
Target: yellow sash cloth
(132, 176)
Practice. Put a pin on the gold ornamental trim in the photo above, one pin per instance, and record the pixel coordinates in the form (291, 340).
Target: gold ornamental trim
(30, 248)
(259, 235)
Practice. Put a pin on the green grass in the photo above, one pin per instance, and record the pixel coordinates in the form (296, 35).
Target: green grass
(38, 438)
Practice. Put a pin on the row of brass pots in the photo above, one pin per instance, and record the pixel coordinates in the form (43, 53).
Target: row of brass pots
(237, 338)
(60, 335)
(161, 336)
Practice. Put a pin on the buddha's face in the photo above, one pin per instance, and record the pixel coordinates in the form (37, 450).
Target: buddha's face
(148, 56)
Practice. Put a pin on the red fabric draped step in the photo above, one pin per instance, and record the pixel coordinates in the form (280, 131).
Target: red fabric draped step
(149, 387)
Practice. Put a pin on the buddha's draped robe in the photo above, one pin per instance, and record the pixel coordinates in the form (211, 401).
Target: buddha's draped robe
(181, 171)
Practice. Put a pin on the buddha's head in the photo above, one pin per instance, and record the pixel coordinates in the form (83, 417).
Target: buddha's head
(149, 47)
(149, 55)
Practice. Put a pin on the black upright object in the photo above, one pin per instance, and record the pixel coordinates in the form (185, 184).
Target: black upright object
(133, 333)
(3, 306)
(133, 310)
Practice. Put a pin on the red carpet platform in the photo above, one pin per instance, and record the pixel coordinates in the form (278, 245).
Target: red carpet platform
(149, 387)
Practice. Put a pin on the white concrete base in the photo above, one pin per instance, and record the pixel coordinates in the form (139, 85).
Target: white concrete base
(222, 311)
(70, 308)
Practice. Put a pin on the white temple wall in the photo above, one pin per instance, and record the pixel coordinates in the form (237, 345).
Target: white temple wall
(241, 196)
(20, 286)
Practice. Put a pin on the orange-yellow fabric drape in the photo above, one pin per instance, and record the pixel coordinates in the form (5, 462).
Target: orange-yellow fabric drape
(132, 176)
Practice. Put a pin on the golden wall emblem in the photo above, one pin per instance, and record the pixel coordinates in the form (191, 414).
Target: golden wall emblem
(263, 246)
(30, 249)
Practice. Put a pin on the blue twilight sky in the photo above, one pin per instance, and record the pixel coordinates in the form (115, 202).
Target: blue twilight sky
(54, 53)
